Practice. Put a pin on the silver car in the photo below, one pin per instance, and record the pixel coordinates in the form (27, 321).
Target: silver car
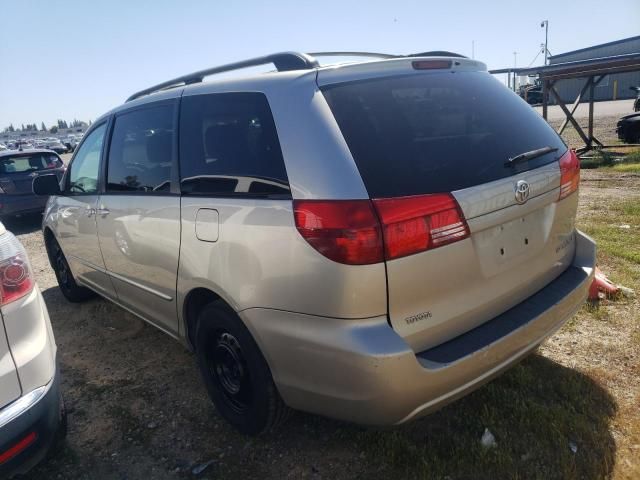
(367, 241)
(32, 413)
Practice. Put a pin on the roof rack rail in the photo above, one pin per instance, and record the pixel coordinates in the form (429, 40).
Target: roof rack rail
(353, 54)
(282, 61)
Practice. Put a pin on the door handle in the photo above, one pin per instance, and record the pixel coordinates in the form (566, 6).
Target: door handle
(103, 212)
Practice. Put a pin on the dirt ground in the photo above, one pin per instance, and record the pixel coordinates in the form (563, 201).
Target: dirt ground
(604, 129)
(138, 410)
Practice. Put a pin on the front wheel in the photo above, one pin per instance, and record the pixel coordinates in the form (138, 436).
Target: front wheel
(235, 373)
(68, 286)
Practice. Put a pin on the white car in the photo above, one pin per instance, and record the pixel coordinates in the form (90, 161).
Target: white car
(32, 414)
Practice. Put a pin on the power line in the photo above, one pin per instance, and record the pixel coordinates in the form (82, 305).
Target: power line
(536, 57)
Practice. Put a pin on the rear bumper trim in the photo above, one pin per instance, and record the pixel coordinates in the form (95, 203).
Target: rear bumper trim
(502, 325)
(24, 403)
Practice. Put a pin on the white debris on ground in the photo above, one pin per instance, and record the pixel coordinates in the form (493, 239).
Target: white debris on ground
(488, 440)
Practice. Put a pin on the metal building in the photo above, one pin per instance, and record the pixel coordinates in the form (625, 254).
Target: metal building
(612, 87)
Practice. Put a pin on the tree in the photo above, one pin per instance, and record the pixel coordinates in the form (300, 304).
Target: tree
(53, 129)
(22, 129)
(42, 127)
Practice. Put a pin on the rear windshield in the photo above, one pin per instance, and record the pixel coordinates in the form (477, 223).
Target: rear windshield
(437, 132)
(29, 163)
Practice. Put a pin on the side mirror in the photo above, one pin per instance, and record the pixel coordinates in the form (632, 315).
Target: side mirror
(46, 185)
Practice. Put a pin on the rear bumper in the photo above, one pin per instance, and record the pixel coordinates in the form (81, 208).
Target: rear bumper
(43, 415)
(363, 371)
(21, 204)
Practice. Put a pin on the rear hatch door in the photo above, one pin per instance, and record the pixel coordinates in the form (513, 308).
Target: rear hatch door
(451, 131)
(9, 383)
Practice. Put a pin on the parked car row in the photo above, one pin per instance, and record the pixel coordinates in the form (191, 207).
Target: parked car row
(58, 145)
(366, 242)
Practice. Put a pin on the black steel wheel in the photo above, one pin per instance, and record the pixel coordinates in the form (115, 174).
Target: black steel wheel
(235, 372)
(229, 369)
(67, 283)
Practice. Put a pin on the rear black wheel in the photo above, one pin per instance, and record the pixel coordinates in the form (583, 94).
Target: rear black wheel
(68, 286)
(236, 374)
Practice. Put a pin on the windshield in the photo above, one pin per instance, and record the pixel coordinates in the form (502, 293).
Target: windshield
(29, 163)
(437, 132)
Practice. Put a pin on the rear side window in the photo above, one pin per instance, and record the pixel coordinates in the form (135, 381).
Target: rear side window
(29, 163)
(141, 151)
(229, 147)
(437, 132)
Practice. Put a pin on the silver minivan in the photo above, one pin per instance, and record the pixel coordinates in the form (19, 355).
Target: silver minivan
(366, 241)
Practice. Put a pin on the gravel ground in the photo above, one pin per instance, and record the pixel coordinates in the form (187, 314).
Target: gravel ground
(604, 129)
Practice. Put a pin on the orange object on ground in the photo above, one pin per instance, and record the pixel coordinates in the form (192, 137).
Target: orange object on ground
(601, 284)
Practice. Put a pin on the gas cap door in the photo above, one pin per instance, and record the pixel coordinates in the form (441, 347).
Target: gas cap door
(207, 223)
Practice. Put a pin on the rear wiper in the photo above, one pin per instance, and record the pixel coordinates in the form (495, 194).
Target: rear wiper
(529, 155)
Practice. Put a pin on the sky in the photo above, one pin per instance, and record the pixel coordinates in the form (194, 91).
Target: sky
(78, 59)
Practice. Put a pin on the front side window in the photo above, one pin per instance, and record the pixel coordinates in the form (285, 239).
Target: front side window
(140, 154)
(229, 147)
(83, 174)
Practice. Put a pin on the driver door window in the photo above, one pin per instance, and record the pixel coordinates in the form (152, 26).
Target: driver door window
(83, 175)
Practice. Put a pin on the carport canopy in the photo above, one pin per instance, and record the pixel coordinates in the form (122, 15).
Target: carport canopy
(593, 71)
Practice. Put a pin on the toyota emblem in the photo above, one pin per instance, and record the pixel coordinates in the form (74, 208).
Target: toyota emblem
(522, 192)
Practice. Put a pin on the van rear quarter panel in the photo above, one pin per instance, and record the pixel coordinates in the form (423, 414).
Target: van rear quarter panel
(260, 260)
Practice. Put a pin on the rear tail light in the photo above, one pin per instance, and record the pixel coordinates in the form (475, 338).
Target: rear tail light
(346, 231)
(569, 174)
(414, 224)
(16, 278)
(350, 232)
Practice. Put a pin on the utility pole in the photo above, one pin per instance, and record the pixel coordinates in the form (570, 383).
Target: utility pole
(515, 66)
(545, 24)
(473, 49)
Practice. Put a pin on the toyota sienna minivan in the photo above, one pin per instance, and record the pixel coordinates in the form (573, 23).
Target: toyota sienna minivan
(367, 241)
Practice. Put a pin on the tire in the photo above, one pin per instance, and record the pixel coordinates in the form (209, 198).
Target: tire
(58, 441)
(235, 372)
(68, 286)
(632, 137)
